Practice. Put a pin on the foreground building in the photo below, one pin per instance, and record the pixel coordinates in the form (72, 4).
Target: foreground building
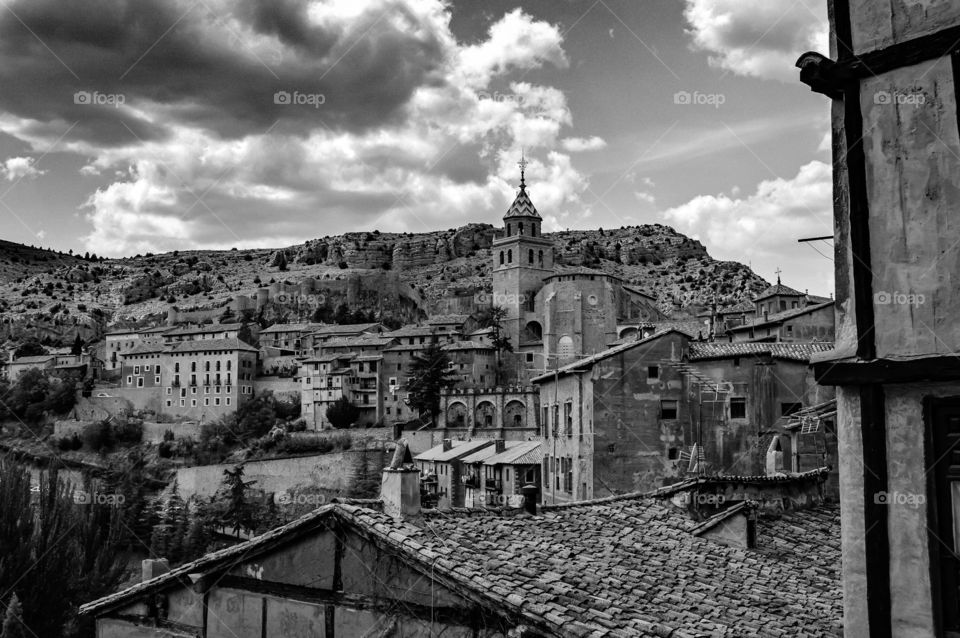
(893, 80)
(627, 567)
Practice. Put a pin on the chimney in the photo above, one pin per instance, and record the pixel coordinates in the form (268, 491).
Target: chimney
(529, 492)
(500, 445)
(400, 485)
(153, 567)
(447, 445)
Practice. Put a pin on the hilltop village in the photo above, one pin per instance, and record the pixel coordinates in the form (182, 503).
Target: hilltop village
(563, 386)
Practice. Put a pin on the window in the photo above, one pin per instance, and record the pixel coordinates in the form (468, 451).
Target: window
(206, 400)
(169, 390)
(228, 400)
(129, 380)
(789, 329)
(169, 403)
(510, 256)
(193, 403)
(556, 420)
(738, 408)
(136, 369)
(529, 357)
(565, 347)
(653, 372)
(736, 362)
(673, 454)
(668, 409)
(568, 417)
(206, 366)
(139, 382)
(216, 401)
(786, 409)
(146, 369)
(183, 402)
(530, 256)
(156, 380)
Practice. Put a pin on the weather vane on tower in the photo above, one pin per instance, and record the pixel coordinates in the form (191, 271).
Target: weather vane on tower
(523, 167)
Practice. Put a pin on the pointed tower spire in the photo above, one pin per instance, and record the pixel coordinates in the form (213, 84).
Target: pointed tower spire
(523, 167)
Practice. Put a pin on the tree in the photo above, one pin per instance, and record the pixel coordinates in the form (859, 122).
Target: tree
(240, 513)
(77, 348)
(431, 375)
(55, 551)
(493, 318)
(245, 334)
(13, 626)
(280, 260)
(30, 348)
(342, 413)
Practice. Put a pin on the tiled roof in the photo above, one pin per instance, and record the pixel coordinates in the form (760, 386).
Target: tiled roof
(625, 567)
(560, 271)
(286, 327)
(458, 449)
(205, 329)
(156, 330)
(411, 331)
(522, 206)
(345, 329)
(201, 345)
(792, 351)
(523, 453)
(743, 307)
(143, 348)
(371, 341)
(780, 317)
(327, 358)
(39, 358)
(778, 289)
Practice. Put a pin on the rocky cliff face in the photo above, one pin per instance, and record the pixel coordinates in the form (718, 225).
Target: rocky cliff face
(54, 295)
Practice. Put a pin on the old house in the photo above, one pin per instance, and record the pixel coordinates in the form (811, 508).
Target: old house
(496, 476)
(892, 77)
(442, 469)
(624, 566)
(801, 324)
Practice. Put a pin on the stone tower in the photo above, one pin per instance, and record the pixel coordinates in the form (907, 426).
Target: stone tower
(522, 259)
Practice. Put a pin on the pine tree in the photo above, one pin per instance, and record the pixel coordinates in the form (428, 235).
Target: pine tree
(240, 513)
(77, 348)
(13, 626)
(431, 375)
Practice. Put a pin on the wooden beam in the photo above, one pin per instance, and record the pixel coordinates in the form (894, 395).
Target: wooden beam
(876, 541)
(938, 368)
(468, 616)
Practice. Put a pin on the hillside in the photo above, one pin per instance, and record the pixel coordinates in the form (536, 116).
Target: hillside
(401, 276)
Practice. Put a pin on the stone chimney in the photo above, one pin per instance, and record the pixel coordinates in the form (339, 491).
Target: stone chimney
(447, 445)
(153, 567)
(400, 485)
(500, 445)
(529, 492)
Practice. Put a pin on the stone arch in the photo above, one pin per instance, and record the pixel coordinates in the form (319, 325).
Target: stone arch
(457, 415)
(565, 348)
(514, 414)
(629, 331)
(486, 414)
(534, 331)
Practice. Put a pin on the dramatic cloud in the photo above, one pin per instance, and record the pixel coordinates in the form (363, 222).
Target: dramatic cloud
(17, 168)
(335, 115)
(760, 38)
(764, 227)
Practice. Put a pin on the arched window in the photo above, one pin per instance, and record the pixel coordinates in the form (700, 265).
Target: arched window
(520, 228)
(565, 347)
(501, 257)
(540, 256)
(530, 255)
(510, 256)
(508, 230)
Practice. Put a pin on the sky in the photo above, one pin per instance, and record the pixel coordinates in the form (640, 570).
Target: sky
(134, 126)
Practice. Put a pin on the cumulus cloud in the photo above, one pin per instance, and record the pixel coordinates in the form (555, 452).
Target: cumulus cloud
(763, 227)
(337, 115)
(17, 168)
(578, 144)
(760, 38)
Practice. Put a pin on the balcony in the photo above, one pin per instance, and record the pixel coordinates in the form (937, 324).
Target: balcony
(471, 481)
(494, 485)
